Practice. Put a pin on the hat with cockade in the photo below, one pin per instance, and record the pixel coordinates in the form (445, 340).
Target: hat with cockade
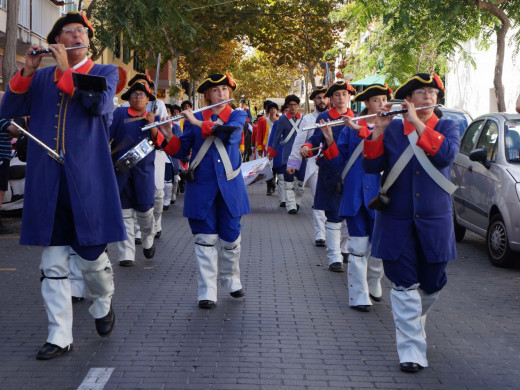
(216, 79)
(420, 80)
(338, 86)
(68, 18)
(373, 90)
(317, 91)
(139, 85)
(142, 76)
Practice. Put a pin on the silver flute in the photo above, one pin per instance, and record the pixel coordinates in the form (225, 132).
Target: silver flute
(44, 51)
(50, 152)
(177, 117)
(357, 118)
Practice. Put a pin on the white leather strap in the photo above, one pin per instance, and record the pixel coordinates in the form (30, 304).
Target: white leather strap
(294, 128)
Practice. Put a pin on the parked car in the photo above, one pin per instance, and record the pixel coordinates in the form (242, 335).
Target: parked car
(487, 172)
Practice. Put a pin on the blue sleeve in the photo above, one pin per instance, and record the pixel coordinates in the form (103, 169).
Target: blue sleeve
(342, 144)
(272, 133)
(101, 103)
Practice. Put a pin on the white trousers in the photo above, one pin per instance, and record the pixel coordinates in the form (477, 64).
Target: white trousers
(318, 216)
(333, 242)
(158, 209)
(56, 290)
(77, 284)
(213, 261)
(281, 188)
(126, 248)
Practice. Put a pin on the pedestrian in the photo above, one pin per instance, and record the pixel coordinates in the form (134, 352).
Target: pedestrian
(321, 104)
(63, 208)
(359, 188)
(285, 135)
(278, 169)
(6, 150)
(413, 231)
(216, 195)
(328, 192)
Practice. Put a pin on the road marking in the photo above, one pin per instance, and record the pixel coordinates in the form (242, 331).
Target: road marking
(96, 379)
(7, 269)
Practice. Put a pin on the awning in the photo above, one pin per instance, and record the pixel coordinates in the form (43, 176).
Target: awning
(374, 79)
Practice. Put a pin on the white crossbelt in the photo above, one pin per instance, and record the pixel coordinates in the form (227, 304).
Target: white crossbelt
(294, 128)
(352, 160)
(221, 149)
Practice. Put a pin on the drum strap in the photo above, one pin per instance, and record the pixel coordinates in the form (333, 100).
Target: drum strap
(293, 130)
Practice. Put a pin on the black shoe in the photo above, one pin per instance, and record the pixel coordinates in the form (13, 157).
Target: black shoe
(345, 257)
(375, 299)
(5, 229)
(105, 325)
(238, 294)
(269, 193)
(165, 208)
(181, 186)
(206, 304)
(137, 241)
(172, 201)
(77, 299)
(282, 204)
(158, 234)
(150, 252)
(319, 242)
(336, 267)
(362, 308)
(126, 263)
(292, 211)
(50, 351)
(297, 207)
(410, 367)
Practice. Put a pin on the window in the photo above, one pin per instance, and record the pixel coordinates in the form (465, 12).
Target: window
(512, 141)
(126, 54)
(470, 136)
(488, 139)
(117, 47)
(3, 4)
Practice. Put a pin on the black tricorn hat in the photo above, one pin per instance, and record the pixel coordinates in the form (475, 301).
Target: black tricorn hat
(139, 85)
(68, 18)
(271, 105)
(338, 86)
(317, 91)
(142, 76)
(217, 79)
(373, 90)
(420, 80)
(291, 98)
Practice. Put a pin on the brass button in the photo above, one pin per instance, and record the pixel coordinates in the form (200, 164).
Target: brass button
(60, 94)
(56, 127)
(417, 172)
(416, 195)
(433, 148)
(56, 116)
(416, 215)
(55, 139)
(59, 104)
(439, 137)
(218, 160)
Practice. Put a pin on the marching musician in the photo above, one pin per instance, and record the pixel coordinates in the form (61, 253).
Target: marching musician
(278, 169)
(413, 231)
(216, 196)
(137, 184)
(328, 192)
(74, 204)
(285, 134)
(364, 271)
(321, 104)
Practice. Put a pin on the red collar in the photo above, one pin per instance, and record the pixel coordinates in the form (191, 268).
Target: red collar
(289, 116)
(431, 123)
(133, 113)
(224, 114)
(334, 114)
(85, 69)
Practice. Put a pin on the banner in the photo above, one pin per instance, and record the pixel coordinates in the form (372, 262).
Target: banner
(257, 171)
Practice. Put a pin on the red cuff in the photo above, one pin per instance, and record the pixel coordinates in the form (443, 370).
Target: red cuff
(430, 141)
(272, 153)
(20, 84)
(364, 132)
(331, 152)
(65, 83)
(373, 149)
(206, 128)
(268, 148)
(159, 140)
(173, 146)
(309, 145)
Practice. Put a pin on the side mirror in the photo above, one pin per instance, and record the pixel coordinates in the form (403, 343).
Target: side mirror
(480, 155)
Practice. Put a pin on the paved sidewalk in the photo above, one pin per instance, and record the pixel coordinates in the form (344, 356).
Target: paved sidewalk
(293, 329)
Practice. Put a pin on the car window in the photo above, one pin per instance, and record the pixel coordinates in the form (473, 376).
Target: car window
(459, 118)
(470, 136)
(512, 141)
(488, 139)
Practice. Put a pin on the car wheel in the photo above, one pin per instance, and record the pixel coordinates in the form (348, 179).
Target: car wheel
(460, 231)
(497, 244)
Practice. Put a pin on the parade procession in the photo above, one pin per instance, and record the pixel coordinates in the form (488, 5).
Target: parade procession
(203, 197)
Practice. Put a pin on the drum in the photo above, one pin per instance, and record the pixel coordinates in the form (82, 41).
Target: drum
(134, 155)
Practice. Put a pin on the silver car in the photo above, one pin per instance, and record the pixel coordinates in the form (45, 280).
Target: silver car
(487, 172)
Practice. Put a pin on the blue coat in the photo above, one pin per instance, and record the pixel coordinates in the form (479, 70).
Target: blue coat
(210, 176)
(277, 161)
(416, 201)
(142, 176)
(359, 187)
(76, 126)
(329, 175)
(283, 129)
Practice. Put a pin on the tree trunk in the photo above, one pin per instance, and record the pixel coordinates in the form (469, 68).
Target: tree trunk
(9, 61)
(174, 62)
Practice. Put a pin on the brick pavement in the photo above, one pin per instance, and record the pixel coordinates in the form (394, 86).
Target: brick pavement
(293, 330)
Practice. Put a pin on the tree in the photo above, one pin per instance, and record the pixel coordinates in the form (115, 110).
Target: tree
(9, 60)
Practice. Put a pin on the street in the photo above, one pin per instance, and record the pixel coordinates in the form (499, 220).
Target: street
(293, 330)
